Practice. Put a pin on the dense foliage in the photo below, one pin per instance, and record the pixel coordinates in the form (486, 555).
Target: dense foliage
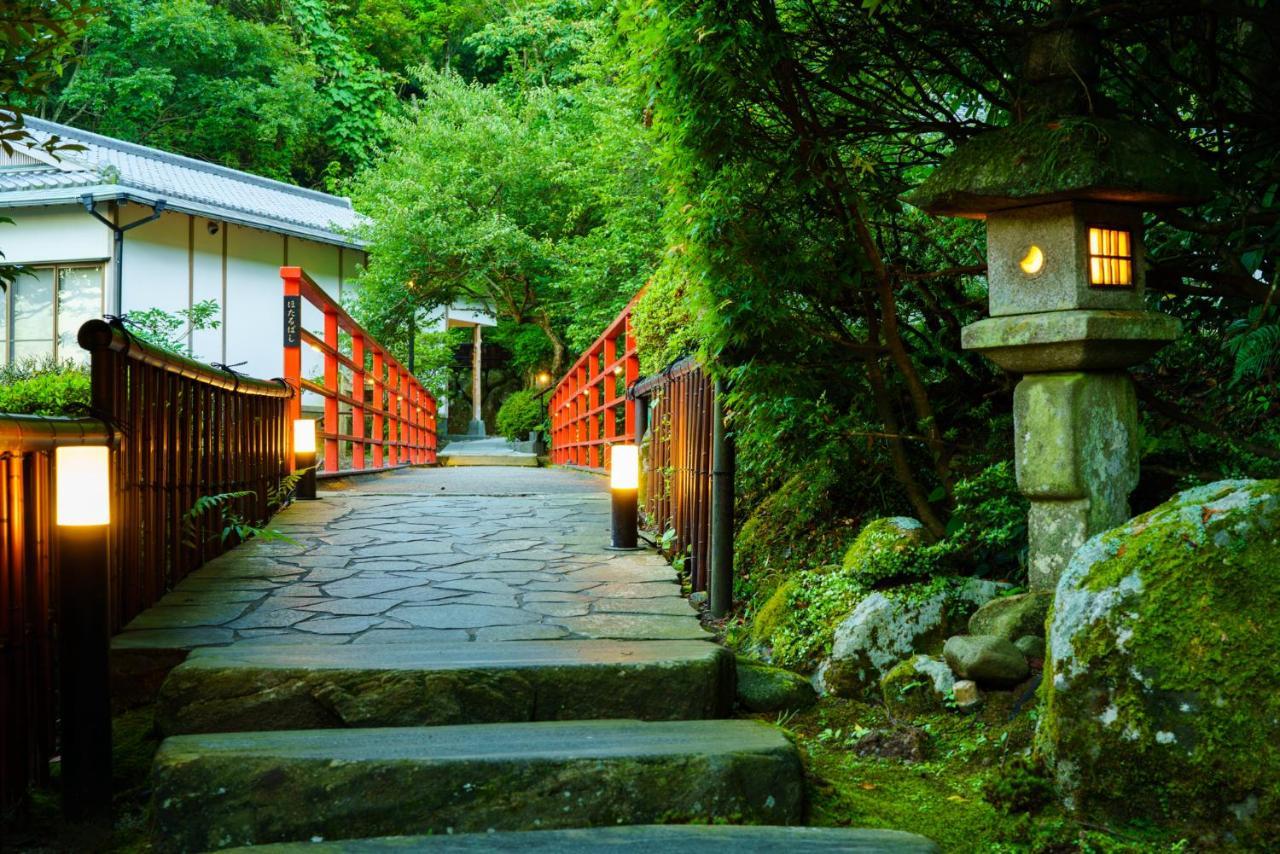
(787, 132)
(745, 159)
(44, 387)
(521, 413)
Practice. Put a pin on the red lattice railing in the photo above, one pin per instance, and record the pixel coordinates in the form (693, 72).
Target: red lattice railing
(392, 417)
(589, 408)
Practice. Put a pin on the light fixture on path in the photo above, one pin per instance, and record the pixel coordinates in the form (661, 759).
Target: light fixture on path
(624, 483)
(304, 457)
(82, 482)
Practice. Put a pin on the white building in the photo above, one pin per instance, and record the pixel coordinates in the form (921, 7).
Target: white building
(221, 234)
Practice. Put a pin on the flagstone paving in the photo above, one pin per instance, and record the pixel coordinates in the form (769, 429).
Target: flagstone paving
(429, 555)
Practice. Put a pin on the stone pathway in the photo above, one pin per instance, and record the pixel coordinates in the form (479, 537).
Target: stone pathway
(418, 555)
(352, 685)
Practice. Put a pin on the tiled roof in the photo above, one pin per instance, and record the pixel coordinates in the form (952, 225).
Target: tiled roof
(114, 168)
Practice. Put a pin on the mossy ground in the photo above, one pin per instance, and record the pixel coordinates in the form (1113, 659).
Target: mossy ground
(943, 797)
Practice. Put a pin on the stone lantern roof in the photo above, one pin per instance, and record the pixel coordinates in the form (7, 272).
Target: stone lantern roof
(1073, 158)
(1064, 146)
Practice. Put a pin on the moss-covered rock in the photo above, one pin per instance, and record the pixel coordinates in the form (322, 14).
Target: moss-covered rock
(1162, 697)
(762, 688)
(771, 614)
(1012, 617)
(890, 625)
(920, 685)
(884, 550)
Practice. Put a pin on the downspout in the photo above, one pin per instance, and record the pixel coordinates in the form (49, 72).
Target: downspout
(722, 473)
(117, 253)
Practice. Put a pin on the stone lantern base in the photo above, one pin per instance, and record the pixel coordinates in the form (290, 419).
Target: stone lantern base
(1076, 453)
(1075, 418)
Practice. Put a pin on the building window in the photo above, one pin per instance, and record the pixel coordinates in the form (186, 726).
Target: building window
(42, 311)
(1110, 258)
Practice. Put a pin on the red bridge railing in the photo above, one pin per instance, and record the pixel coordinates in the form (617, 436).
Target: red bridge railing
(590, 410)
(391, 417)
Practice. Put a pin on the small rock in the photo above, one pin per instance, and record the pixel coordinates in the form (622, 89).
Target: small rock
(762, 688)
(698, 599)
(966, 694)
(888, 626)
(1032, 646)
(919, 685)
(1012, 617)
(906, 744)
(986, 659)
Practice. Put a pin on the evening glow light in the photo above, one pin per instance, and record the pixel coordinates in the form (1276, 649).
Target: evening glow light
(84, 496)
(624, 472)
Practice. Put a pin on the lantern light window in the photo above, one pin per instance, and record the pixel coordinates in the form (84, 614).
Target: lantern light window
(1110, 257)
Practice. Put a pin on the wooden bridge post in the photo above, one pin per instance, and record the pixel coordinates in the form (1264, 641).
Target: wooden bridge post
(379, 421)
(331, 429)
(357, 408)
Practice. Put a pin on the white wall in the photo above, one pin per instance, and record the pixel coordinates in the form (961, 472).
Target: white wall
(53, 234)
(177, 261)
(156, 256)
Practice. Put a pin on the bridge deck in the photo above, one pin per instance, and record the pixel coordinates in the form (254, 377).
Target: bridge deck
(493, 554)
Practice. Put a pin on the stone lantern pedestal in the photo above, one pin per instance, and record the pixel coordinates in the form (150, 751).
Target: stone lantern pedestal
(1062, 193)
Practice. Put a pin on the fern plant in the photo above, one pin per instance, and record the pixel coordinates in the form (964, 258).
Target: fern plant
(233, 522)
(1254, 343)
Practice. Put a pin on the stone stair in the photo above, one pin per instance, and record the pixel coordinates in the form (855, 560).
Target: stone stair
(635, 839)
(243, 688)
(214, 790)
(396, 746)
(489, 451)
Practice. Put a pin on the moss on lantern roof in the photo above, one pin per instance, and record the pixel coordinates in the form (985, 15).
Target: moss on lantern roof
(1072, 158)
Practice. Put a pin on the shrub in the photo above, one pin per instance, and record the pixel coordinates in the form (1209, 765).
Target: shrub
(44, 387)
(521, 413)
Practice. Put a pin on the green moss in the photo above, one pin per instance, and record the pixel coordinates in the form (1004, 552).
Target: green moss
(773, 613)
(1080, 157)
(888, 548)
(917, 686)
(797, 527)
(943, 798)
(1163, 689)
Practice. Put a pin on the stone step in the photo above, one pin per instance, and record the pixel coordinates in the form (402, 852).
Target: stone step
(226, 789)
(520, 460)
(249, 687)
(639, 839)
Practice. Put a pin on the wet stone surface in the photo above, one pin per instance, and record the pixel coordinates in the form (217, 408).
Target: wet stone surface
(494, 554)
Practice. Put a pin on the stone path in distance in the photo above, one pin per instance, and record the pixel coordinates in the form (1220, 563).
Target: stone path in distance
(420, 555)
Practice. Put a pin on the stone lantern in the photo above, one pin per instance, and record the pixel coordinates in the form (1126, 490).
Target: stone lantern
(1062, 192)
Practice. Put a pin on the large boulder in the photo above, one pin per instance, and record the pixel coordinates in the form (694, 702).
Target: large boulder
(1012, 617)
(883, 549)
(888, 626)
(1163, 684)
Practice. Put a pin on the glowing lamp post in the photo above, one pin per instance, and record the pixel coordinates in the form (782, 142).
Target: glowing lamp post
(624, 486)
(304, 457)
(1062, 193)
(83, 512)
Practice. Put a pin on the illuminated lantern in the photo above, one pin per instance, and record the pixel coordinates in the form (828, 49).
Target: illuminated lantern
(1063, 193)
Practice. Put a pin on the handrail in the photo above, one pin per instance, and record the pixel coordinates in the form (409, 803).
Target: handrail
(584, 409)
(100, 335)
(401, 407)
(22, 434)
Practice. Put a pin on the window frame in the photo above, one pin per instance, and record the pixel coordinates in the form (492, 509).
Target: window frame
(6, 353)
